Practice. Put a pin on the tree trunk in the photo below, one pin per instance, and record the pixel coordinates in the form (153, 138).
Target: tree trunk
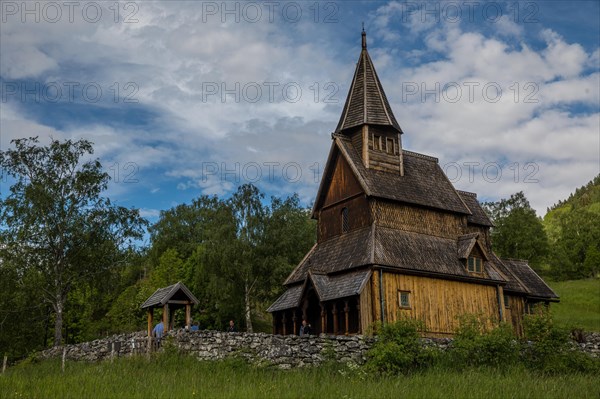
(247, 304)
(58, 322)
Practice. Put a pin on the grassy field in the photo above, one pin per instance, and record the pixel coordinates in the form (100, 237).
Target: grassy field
(579, 304)
(172, 376)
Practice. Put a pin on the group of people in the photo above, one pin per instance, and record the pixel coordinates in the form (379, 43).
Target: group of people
(159, 329)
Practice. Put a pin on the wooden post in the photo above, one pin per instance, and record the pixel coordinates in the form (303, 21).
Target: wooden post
(295, 320)
(150, 321)
(346, 319)
(274, 323)
(283, 320)
(335, 318)
(165, 318)
(358, 312)
(323, 319)
(188, 316)
(112, 352)
(4, 363)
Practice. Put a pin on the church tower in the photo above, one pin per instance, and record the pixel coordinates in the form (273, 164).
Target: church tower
(368, 119)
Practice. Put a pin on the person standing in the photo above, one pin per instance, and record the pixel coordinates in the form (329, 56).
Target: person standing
(304, 328)
(158, 332)
(231, 327)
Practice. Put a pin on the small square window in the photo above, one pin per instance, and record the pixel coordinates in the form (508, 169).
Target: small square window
(475, 265)
(404, 299)
(506, 301)
(471, 265)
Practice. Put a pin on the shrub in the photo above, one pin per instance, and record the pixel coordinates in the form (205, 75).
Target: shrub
(398, 349)
(475, 346)
(547, 347)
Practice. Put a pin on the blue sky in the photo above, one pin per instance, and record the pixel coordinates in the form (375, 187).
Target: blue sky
(189, 98)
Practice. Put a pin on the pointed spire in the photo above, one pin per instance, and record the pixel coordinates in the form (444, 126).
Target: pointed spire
(366, 102)
(364, 37)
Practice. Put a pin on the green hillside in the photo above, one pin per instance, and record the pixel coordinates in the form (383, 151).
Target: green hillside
(573, 231)
(579, 304)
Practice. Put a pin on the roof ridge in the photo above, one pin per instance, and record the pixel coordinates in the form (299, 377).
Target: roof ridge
(419, 155)
(467, 193)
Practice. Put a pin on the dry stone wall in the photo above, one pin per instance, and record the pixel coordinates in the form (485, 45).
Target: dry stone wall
(284, 351)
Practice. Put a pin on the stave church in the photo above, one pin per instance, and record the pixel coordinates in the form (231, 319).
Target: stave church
(395, 238)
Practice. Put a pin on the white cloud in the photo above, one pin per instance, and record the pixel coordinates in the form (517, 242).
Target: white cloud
(174, 57)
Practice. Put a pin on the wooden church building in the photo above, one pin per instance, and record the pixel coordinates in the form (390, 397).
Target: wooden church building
(395, 238)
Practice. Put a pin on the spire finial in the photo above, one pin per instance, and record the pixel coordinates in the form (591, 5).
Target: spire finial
(364, 36)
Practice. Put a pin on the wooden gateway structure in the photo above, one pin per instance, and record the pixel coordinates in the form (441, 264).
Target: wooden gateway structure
(170, 298)
(395, 238)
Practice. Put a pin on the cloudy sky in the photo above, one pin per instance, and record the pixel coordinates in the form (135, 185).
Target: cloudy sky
(189, 98)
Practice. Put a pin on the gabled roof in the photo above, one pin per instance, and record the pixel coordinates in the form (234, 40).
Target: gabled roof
(163, 295)
(466, 243)
(478, 215)
(327, 288)
(423, 183)
(536, 287)
(366, 102)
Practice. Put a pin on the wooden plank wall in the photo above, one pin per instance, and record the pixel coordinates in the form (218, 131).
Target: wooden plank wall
(514, 313)
(438, 303)
(381, 159)
(330, 219)
(419, 220)
(343, 184)
(366, 306)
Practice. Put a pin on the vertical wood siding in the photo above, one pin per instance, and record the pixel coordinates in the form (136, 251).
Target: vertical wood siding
(438, 303)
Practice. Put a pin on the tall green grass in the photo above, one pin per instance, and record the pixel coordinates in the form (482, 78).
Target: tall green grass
(178, 376)
(579, 304)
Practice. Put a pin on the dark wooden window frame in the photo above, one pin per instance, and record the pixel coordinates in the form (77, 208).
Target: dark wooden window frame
(377, 144)
(506, 301)
(389, 146)
(345, 220)
(474, 265)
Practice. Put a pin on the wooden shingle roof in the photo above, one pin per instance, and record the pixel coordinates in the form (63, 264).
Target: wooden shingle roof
(409, 251)
(366, 102)
(383, 246)
(289, 299)
(423, 183)
(346, 251)
(340, 285)
(536, 287)
(478, 215)
(176, 291)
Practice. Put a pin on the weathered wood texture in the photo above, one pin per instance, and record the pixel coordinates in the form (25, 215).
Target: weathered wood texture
(438, 303)
(418, 220)
(514, 313)
(484, 234)
(383, 150)
(343, 184)
(330, 219)
(366, 306)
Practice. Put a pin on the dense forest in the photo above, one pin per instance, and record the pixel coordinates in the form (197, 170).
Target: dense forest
(72, 269)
